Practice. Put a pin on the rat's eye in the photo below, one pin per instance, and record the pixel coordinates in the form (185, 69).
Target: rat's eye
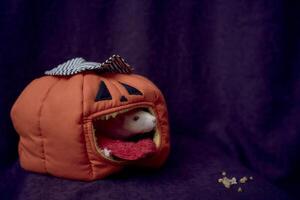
(136, 118)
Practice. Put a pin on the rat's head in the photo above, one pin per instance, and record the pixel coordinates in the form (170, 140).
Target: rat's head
(139, 121)
(129, 124)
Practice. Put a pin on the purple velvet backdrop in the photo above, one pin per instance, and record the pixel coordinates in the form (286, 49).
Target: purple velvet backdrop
(229, 71)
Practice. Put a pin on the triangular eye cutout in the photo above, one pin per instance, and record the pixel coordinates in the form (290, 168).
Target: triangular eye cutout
(103, 93)
(131, 90)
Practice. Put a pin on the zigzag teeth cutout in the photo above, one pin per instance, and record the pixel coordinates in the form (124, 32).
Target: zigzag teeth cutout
(114, 64)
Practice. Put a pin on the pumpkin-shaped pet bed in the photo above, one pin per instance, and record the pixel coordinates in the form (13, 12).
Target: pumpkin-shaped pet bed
(87, 120)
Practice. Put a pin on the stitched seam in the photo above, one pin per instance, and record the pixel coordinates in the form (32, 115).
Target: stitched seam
(127, 105)
(39, 124)
(85, 133)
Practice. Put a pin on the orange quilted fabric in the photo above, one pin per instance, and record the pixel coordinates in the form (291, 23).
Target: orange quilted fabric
(55, 117)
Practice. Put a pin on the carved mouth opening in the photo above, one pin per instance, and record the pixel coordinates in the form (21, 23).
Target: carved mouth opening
(115, 144)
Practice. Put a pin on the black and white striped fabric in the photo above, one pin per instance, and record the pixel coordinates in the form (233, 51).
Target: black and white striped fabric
(115, 64)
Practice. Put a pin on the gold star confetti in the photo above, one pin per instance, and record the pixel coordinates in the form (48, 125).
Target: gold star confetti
(240, 189)
(229, 182)
(243, 180)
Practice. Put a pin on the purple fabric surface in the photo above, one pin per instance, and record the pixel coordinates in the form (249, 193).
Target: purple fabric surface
(229, 71)
(188, 174)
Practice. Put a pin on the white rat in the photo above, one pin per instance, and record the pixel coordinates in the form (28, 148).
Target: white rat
(129, 124)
